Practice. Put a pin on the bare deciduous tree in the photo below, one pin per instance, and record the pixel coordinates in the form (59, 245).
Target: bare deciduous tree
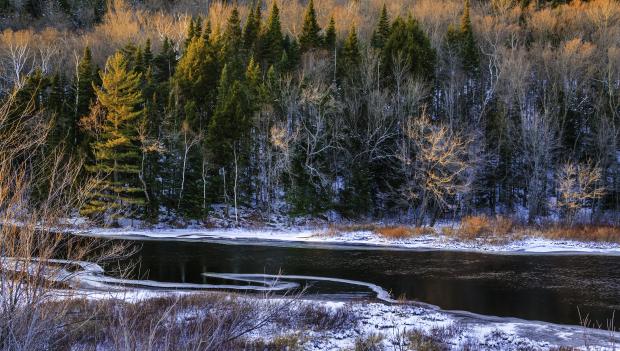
(578, 186)
(436, 163)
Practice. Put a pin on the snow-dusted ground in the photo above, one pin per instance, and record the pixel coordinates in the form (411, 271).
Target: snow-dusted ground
(456, 330)
(365, 239)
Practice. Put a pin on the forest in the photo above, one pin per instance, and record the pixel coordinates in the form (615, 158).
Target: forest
(361, 110)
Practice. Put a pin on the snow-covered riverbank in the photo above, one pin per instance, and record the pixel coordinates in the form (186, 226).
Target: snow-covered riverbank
(362, 239)
(398, 326)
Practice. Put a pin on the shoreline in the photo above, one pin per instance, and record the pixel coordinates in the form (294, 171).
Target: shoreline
(389, 319)
(302, 237)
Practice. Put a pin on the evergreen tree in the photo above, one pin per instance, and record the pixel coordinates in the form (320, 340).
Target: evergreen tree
(411, 43)
(32, 93)
(148, 54)
(232, 42)
(351, 56)
(291, 55)
(164, 63)
(191, 32)
(251, 29)
(382, 32)
(330, 35)
(198, 27)
(85, 77)
(460, 41)
(117, 151)
(469, 49)
(230, 121)
(206, 34)
(310, 37)
(195, 77)
(271, 40)
(84, 96)
(138, 61)
(63, 128)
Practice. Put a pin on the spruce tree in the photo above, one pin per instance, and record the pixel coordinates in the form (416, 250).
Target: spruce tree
(382, 32)
(410, 42)
(148, 54)
(164, 63)
(310, 37)
(85, 77)
(330, 35)
(117, 150)
(271, 40)
(291, 55)
(228, 135)
(206, 34)
(231, 119)
(64, 127)
(231, 44)
(460, 42)
(469, 49)
(198, 27)
(84, 96)
(251, 29)
(351, 56)
(190, 33)
(195, 77)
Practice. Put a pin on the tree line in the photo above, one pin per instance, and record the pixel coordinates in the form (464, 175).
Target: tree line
(394, 123)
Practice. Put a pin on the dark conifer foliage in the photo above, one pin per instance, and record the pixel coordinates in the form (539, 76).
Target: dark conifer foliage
(382, 31)
(310, 37)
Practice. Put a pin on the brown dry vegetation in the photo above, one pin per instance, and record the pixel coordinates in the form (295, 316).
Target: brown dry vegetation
(472, 227)
(580, 232)
(210, 321)
(399, 232)
(493, 229)
(387, 231)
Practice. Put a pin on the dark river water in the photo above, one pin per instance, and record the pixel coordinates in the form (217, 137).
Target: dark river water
(538, 287)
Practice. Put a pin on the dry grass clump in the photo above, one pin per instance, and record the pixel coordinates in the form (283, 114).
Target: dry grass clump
(396, 232)
(476, 227)
(320, 318)
(288, 342)
(581, 232)
(402, 232)
(370, 342)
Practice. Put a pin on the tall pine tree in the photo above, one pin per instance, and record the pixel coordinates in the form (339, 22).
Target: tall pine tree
(469, 49)
(271, 40)
(310, 37)
(330, 35)
(117, 150)
(382, 32)
(251, 29)
(84, 96)
(351, 56)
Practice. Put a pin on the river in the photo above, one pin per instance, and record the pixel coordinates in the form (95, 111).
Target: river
(550, 288)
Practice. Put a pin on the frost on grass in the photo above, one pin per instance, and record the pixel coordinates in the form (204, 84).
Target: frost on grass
(253, 323)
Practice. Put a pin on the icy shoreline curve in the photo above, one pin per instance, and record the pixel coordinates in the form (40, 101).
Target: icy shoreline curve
(358, 239)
